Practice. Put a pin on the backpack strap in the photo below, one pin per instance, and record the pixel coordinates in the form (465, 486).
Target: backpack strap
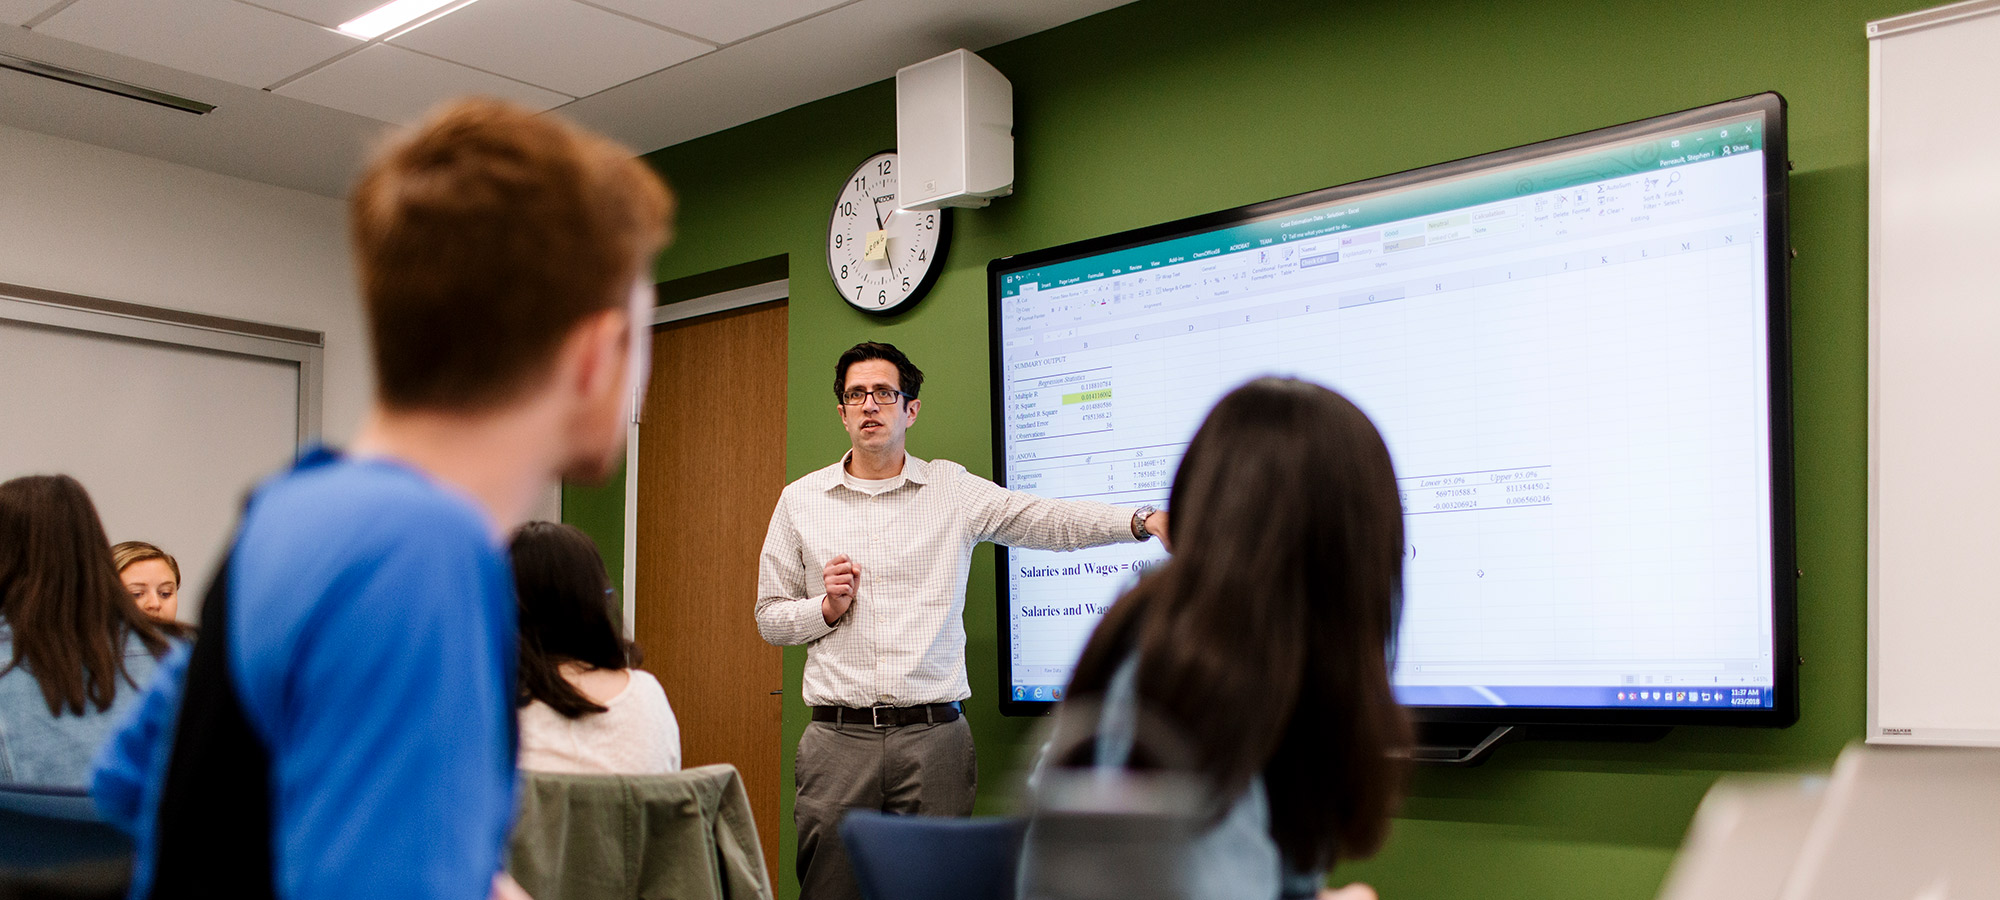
(213, 832)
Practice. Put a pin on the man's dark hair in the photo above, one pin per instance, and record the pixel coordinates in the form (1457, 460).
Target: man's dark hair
(1267, 637)
(565, 606)
(910, 378)
(60, 596)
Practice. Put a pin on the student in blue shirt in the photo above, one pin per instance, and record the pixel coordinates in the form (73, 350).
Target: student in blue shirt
(344, 725)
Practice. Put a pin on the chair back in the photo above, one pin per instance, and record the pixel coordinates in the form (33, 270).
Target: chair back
(52, 844)
(922, 857)
(688, 835)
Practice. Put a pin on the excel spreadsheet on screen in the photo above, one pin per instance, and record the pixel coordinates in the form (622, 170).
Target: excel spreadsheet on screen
(1567, 357)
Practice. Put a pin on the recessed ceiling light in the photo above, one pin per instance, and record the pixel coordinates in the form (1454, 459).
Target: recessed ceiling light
(395, 14)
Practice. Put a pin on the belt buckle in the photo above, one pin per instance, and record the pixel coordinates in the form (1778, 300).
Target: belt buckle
(875, 716)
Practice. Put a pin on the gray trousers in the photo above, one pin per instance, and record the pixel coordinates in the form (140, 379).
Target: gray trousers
(928, 769)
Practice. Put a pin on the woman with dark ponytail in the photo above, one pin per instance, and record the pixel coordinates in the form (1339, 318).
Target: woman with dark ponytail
(585, 705)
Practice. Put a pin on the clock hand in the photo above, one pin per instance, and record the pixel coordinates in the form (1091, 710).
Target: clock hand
(880, 226)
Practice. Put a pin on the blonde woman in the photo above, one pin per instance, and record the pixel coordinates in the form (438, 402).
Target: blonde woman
(151, 576)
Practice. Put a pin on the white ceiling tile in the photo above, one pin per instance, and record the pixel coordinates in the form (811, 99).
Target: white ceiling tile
(557, 44)
(266, 136)
(326, 12)
(842, 49)
(18, 12)
(397, 85)
(721, 21)
(221, 39)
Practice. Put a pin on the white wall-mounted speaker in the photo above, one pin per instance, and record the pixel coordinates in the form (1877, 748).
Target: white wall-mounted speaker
(954, 132)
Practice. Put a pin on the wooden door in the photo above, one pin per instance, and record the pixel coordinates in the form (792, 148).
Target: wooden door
(711, 464)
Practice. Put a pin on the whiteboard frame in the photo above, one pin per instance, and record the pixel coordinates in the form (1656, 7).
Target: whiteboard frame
(1874, 386)
(119, 320)
(1923, 18)
(1882, 28)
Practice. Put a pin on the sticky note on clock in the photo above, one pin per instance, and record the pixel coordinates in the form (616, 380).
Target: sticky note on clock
(878, 245)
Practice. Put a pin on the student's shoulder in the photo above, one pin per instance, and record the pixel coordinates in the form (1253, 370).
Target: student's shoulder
(644, 683)
(648, 693)
(363, 503)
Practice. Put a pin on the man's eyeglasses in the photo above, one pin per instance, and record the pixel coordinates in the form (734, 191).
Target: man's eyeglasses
(883, 396)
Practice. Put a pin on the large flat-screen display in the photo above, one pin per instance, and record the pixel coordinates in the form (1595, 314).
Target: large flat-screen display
(1577, 353)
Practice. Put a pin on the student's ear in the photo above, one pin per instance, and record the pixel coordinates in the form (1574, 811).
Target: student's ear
(599, 347)
(914, 406)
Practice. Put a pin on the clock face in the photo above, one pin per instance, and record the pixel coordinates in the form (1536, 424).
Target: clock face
(881, 258)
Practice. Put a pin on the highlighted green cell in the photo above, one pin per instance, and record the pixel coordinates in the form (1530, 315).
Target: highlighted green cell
(1087, 396)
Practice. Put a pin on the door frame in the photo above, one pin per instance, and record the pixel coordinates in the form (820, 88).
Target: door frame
(692, 308)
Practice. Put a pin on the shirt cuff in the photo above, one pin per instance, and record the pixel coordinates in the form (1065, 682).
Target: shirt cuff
(814, 626)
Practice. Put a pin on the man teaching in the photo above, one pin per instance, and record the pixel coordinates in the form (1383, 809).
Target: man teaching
(865, 563)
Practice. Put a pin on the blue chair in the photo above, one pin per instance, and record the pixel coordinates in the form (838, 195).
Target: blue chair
(927, 857)
(52, 844)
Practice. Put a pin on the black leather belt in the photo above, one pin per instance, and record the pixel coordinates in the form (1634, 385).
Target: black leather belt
(888, 716)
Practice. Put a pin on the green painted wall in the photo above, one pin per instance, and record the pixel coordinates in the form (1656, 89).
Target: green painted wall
(1167, 108)
(600, 510)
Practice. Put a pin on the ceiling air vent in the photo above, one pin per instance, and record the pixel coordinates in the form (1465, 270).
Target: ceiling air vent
(101, 83)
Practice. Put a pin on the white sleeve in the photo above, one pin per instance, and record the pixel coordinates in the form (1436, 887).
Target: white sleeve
(1021, 519)
(788, 612)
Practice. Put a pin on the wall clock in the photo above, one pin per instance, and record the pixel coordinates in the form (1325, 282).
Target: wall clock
(882, 259)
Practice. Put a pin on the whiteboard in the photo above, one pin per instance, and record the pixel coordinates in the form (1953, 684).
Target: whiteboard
(167, 424)
(1934, 373)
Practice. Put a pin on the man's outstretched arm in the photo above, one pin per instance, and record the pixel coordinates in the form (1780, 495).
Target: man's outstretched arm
(1021, 519)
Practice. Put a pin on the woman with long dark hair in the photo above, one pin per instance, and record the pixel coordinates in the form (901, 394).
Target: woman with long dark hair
(585, 705)
(1264, 642)
(75, 650)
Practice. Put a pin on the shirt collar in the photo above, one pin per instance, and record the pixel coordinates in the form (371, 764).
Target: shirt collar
(316, 456)
(915, 471)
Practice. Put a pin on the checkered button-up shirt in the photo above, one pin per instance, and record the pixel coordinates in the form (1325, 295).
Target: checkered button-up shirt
(902, 643)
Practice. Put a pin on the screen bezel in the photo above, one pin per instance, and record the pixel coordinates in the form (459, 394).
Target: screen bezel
(1777, 249)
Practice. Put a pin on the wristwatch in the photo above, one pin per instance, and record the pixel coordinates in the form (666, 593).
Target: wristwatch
(1139, 517)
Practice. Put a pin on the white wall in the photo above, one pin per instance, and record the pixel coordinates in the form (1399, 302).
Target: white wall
(83, 219)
